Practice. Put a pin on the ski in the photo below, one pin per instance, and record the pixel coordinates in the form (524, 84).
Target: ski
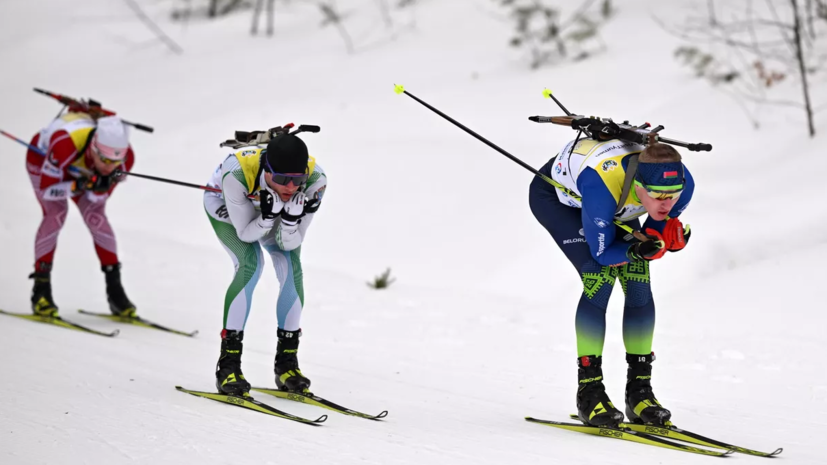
(249, 403)
(312, 399)
(673, 432)
(138, 321)
(58, 321)
(629, 435)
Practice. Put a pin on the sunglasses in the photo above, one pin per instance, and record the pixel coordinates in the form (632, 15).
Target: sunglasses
(104, 160)
(285, 179)
(661, 192)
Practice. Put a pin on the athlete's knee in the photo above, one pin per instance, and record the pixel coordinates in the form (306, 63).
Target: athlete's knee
(636, 283)
(96, 221)
(598, 282)
(296, 266)
(259, 260)
(638, 294)
(55, 211)
(250, 263)
(252, 258)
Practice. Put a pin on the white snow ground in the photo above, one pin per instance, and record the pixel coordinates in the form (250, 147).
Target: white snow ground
(478, 331)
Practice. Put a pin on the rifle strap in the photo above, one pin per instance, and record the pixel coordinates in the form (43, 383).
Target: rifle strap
(631, 171)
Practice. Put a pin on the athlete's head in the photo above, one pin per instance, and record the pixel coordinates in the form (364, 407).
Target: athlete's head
(109, 144)
(285, 165)
(659, 179)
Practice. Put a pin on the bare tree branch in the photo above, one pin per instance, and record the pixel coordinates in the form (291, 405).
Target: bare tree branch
(386, 14)
(577, 15)
(788, 40)
(333, 17)
(154, 27)
(802, 67)
(710, 6)
(750, 67)
(810, 17)
(257, 13)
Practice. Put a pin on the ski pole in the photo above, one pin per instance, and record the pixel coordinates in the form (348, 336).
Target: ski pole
(548, 94)
(178, 183)
(399, 89)
(22, 142)
(145, 176)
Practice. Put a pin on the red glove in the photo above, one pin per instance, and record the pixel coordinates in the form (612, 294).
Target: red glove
(652, 249)
(675, 235)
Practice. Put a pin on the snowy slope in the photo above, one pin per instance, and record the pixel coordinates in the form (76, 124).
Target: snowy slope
(478, 331)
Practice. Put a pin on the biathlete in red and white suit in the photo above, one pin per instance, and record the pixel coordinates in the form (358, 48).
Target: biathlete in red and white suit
(84, 161)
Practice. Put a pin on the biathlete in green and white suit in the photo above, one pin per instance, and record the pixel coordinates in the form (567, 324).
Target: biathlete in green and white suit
(269, 196)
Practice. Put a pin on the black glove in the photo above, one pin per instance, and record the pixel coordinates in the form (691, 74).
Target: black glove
(312, 206)
(267, 203)
(649, 250)
(118, 175)
(96, 183)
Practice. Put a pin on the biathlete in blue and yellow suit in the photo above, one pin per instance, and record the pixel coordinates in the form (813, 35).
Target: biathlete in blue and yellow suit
(601, 185)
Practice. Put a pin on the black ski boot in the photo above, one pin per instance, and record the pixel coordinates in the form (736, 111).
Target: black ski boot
(228, 376)
(119, 303)
(593, 404)
(641, 405)
(288, 375)
(42, 302)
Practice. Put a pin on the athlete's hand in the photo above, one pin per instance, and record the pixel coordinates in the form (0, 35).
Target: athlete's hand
(271, 204)
(675, 235)
(293, 208)
(652, 249)
(96, 183)
(312, 205)
(118, 175)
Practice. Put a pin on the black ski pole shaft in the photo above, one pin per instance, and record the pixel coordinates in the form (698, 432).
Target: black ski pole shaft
(145, 176)
(181, 183)
(548, 94)
(172, 181)
(401, 90)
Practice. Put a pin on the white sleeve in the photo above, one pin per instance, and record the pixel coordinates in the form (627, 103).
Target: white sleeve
(249, 225)
(290, 237)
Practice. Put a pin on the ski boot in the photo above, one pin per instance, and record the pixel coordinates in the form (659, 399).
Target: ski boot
(288, 375)
(119, 303)
(593, 405)
(42, 302)
(641, 405)
(228, 376)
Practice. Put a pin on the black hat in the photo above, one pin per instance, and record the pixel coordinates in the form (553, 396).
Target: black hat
(286, 154)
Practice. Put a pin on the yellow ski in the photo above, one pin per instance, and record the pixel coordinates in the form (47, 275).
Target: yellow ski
(312, 399)
(58, 321)
(629, 435)
(673, 432)
(249, 403)
(138, 321)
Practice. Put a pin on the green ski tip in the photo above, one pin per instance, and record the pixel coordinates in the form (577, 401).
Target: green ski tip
(398, 88)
